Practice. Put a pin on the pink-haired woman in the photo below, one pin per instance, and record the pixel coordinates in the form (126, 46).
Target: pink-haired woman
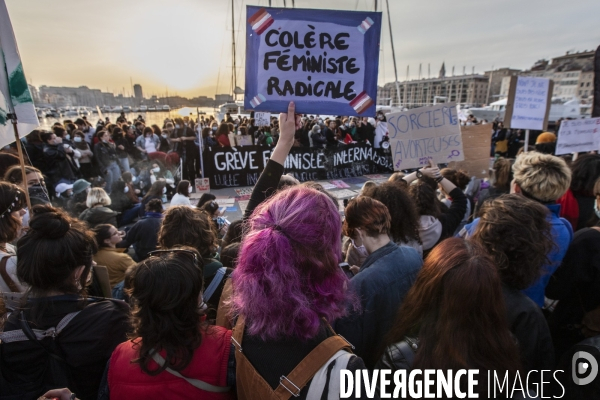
(287, 286)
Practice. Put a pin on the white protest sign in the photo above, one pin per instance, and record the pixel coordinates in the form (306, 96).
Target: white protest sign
(578, 135)
(423, 134)
(530, 104)
(262, 119)
(202, 185)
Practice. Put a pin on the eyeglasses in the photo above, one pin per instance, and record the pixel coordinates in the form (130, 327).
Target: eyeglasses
(157, 253)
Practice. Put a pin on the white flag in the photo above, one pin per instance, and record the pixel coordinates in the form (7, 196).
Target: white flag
(14, 92)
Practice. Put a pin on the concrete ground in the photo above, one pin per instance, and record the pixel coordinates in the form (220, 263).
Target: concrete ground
(233, 201)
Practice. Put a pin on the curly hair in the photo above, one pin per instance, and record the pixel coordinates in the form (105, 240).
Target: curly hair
(402, 209)
(187, 226)
(12, 198)
(166, 316)
(458, 177)
(425, 199)
(516, 233)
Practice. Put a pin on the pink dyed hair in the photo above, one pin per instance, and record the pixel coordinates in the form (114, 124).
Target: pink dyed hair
(288, 277)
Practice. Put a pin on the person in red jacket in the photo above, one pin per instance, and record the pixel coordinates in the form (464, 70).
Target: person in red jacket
(174, 354)
(222, 135)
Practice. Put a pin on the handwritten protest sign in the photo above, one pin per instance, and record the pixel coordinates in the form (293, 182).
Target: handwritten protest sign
(202, 185)
(262, 119)
(423, 134)
(528, 103)
(578, 135)
(326, 61)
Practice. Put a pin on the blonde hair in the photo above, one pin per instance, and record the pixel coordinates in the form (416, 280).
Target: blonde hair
(541, 176)
(97, 196)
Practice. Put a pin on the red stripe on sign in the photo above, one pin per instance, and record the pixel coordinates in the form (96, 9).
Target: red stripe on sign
(358, 99)
(364, 107)
(264, 26)
(257, 16)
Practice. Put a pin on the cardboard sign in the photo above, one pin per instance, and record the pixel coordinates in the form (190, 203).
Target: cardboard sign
(262, 119)
(528, 103)
(477, 140)
(326, 61)
(202, 185)
(423, 134)
(578, 135)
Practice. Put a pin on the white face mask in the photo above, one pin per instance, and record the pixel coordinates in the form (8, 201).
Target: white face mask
(77, 139)
(214, 128)
(157, 169)
(177, 126)
(164, 190)
(126, 189)
(163, 135)
(190, 189)
(133, 179)
(596, 210)
(362, 251)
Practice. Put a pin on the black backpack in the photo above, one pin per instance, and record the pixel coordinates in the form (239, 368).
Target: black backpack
(56, 373)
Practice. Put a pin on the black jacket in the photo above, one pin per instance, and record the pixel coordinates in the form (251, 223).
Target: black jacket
(59, 164)
(86, 343)
(528, 325)
(144, 234)
(105, 154)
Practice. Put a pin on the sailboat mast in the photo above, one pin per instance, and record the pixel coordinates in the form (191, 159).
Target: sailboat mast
(233, 77)
(387, 3)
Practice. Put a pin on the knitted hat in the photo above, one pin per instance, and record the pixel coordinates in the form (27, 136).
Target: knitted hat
(546, 137)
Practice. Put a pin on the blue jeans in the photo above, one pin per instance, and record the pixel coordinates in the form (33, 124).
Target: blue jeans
(124, 162)
(113, 173)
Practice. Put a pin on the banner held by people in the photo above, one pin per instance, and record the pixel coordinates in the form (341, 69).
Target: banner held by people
(326, 61)
(423, 134)
(242, 167)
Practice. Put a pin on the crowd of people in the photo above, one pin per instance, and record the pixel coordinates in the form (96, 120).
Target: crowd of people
(108, 295)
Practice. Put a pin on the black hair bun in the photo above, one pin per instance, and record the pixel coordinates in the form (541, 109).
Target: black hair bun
(49, 222)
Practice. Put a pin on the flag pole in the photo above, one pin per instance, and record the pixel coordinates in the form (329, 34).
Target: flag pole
(13, 118)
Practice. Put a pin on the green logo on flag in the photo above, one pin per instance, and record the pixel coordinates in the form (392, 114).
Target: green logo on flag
(3, 116)
(19, 91)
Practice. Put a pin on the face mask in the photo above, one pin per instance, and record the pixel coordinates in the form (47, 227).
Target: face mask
(163, 135)
(157, 169)
(126, 190)
(190, 189)
(133, 179)
(104, 140)
(362, 251)
(164, 190)
(177, 126)
(318, 131)
(346, 124)
(380, 118)
(68, 137)
(77, 139)
(596, 210)
(214, 128)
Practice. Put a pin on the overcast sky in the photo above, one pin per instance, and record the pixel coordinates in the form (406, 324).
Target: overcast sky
(184, 46)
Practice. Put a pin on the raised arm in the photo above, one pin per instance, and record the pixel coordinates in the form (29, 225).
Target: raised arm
(269, 179)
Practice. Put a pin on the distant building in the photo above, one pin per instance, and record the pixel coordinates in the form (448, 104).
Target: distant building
(462, 89)
(495, 79)
(137, 92)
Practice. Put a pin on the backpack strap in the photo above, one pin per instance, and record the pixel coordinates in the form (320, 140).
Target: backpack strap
(197, 383)
(306, 369)
(9, 282)
(26, 333)
(214, 284)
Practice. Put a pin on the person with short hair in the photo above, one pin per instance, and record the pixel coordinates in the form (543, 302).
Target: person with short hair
(54, 259)
(381, 282)
(57, 160)
(97, 211)
(182, 195)
(143, 235)
(517, 234)
(116, 260)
